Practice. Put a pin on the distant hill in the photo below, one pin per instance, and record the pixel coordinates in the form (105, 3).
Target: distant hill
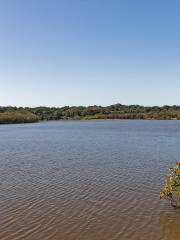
(116, 111)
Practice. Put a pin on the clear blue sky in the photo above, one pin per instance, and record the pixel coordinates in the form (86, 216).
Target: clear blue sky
(86, 52)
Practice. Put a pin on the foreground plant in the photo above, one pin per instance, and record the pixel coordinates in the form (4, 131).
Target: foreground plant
(171, 190)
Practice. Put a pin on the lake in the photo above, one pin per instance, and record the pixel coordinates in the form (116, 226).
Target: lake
(87, 180)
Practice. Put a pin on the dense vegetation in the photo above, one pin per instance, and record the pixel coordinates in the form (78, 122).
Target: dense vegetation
(171, 190)
(17, 117)
(117, 111)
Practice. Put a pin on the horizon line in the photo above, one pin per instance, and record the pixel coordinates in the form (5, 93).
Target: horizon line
(93, 105)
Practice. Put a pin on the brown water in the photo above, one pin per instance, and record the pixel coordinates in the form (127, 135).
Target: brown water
(87, 180)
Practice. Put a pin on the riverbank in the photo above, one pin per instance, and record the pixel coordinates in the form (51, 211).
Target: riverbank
(117, 111)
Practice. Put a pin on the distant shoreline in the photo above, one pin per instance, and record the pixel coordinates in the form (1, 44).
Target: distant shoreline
(9, 115)
(79, 120)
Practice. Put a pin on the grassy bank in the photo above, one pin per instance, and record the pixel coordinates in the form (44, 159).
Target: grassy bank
(17, 117)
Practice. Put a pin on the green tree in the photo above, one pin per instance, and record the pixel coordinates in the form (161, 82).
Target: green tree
(171, 190)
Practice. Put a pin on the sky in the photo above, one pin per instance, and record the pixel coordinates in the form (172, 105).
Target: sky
(89, 52)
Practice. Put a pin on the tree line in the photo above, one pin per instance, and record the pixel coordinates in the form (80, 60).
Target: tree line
(117, 111)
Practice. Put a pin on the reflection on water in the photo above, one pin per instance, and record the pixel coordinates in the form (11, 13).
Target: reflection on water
(93, 180)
